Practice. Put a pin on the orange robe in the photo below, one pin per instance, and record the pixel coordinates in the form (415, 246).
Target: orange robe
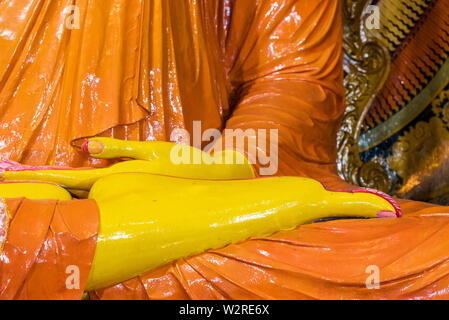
(137, 69)
(49, 249)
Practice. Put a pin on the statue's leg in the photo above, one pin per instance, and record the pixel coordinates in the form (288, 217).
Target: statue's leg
(148, 220)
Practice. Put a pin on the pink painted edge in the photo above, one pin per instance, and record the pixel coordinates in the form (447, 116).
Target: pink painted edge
(378, 193)
(85, 147)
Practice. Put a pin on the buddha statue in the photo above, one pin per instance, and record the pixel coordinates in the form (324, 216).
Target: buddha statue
(93, 201)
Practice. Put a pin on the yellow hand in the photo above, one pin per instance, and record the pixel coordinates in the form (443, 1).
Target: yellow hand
(153, 157)
(149, 220)
(33, 191)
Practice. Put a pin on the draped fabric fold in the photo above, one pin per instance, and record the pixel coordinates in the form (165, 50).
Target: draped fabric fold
(131, 69)
(135, 69)
(48, 250)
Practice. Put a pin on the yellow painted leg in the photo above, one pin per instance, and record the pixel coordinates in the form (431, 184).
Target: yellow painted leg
(149, 220)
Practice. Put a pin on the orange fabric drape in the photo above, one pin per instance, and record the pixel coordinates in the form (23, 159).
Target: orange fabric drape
(47, 243)
(134, 69)
(137, 69)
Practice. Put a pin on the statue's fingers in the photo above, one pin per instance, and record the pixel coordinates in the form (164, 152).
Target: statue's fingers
(93, 148)
(33, 191)
(108, 148)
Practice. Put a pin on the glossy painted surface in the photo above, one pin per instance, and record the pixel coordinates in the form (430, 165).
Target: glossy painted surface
(155, 157)
(159, 65)
(318, 261)
(139, 69)
(34, 191)
(148, 220)
(50, 245)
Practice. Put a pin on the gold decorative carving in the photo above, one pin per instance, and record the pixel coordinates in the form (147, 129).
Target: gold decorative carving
(366, 64)
(421, 156)
(411, 154)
